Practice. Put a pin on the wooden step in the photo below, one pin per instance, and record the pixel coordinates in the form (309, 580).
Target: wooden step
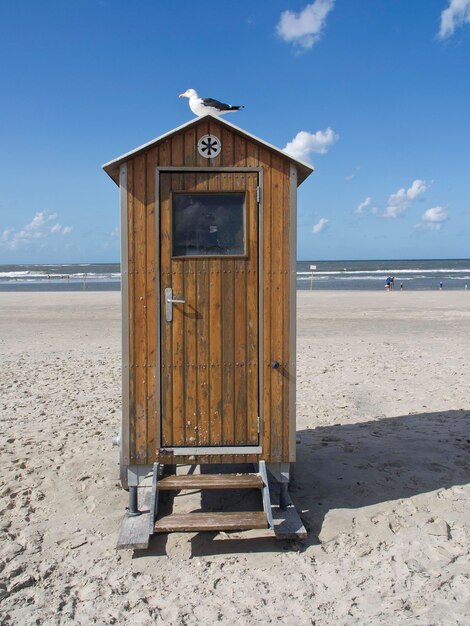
(193, 522)
(210, 481)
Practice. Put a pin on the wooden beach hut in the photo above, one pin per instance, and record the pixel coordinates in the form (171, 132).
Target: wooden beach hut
(208, 262)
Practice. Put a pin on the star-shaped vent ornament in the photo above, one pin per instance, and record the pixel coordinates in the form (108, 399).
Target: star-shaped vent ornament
(209, 146)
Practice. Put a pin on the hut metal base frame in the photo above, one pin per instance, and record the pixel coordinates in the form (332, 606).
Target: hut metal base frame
(141, 521)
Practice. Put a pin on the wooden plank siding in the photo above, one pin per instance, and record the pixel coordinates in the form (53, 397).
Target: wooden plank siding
(212, 400)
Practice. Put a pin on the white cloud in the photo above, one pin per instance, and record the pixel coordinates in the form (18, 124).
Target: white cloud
(305, 28)
(433, 219)
(304, 143)
(457, 14)
(366, 206)
(320, 226)
(362, 206)
(417, 188)
(398, 202)
(436, 214)
(38, 228)
(61, 230)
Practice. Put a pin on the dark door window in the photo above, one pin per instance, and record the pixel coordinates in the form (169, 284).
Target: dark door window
(208, 224)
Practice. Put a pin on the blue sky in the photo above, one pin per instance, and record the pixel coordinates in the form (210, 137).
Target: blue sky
(379, 91)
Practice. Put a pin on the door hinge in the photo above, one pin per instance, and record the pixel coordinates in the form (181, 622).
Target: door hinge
(258, 194)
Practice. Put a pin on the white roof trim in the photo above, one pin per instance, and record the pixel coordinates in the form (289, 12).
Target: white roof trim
(127, 155)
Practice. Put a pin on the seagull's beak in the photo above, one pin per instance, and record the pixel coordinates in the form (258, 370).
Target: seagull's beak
(182, 95)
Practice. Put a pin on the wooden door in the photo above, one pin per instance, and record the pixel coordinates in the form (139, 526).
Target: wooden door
(210, 349)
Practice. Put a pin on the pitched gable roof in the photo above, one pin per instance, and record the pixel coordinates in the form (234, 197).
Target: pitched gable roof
(112, 167)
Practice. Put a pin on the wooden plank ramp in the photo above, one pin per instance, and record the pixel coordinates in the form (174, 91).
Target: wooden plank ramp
(134, 532)
(287, 523)
(194, 522)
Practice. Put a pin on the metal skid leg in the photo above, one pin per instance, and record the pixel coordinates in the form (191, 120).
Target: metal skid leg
(133, 509)
(284, 498)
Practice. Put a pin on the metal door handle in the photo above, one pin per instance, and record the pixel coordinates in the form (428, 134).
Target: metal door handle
(169, 301)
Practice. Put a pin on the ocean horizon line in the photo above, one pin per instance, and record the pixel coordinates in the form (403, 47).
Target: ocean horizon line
(310, 260)
(414, 274)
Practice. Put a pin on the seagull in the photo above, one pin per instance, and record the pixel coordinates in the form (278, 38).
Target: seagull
(203, 106)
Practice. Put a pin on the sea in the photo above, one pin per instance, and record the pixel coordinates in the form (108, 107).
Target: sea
(410, 275)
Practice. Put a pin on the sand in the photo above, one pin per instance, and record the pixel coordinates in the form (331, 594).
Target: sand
(382, 478)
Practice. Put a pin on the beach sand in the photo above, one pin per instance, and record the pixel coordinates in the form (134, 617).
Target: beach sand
(382, 478)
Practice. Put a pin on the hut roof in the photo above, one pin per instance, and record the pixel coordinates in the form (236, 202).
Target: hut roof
(112, 168)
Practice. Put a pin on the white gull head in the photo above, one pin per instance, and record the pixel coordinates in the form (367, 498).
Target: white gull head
(189, 93)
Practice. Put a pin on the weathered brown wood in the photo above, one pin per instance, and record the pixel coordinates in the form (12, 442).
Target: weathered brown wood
(215, 344)
(194, 522)
(166, 356)
(190, 327)
(215, 129)
(203, 362)
(227, 139)
(239, 150)
(211, 481)
(159, 155)
(228, 339)
(140, 306)
(190, 150)
(252, 154)
(177, 330)
(152, 259)
(202, 359)
(252, 340)
(201, 130)
(189, 310)
(277, 241)
(131, 305)
(253, 296)
(286, 277)
(265, 159)
(241, 410)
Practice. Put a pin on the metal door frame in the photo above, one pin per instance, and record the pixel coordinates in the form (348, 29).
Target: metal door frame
(206, 450)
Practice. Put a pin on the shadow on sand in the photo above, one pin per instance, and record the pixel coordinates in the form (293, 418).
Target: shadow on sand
(353, 466)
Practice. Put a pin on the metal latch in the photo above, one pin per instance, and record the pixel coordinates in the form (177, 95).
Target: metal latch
(169, 301)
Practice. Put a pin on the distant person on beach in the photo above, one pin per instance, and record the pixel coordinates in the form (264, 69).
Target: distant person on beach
(440, 286)
(392, 282)
(401, 286)
(388, 282)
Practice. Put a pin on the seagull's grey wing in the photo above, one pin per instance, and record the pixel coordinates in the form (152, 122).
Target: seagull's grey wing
(210, 102)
